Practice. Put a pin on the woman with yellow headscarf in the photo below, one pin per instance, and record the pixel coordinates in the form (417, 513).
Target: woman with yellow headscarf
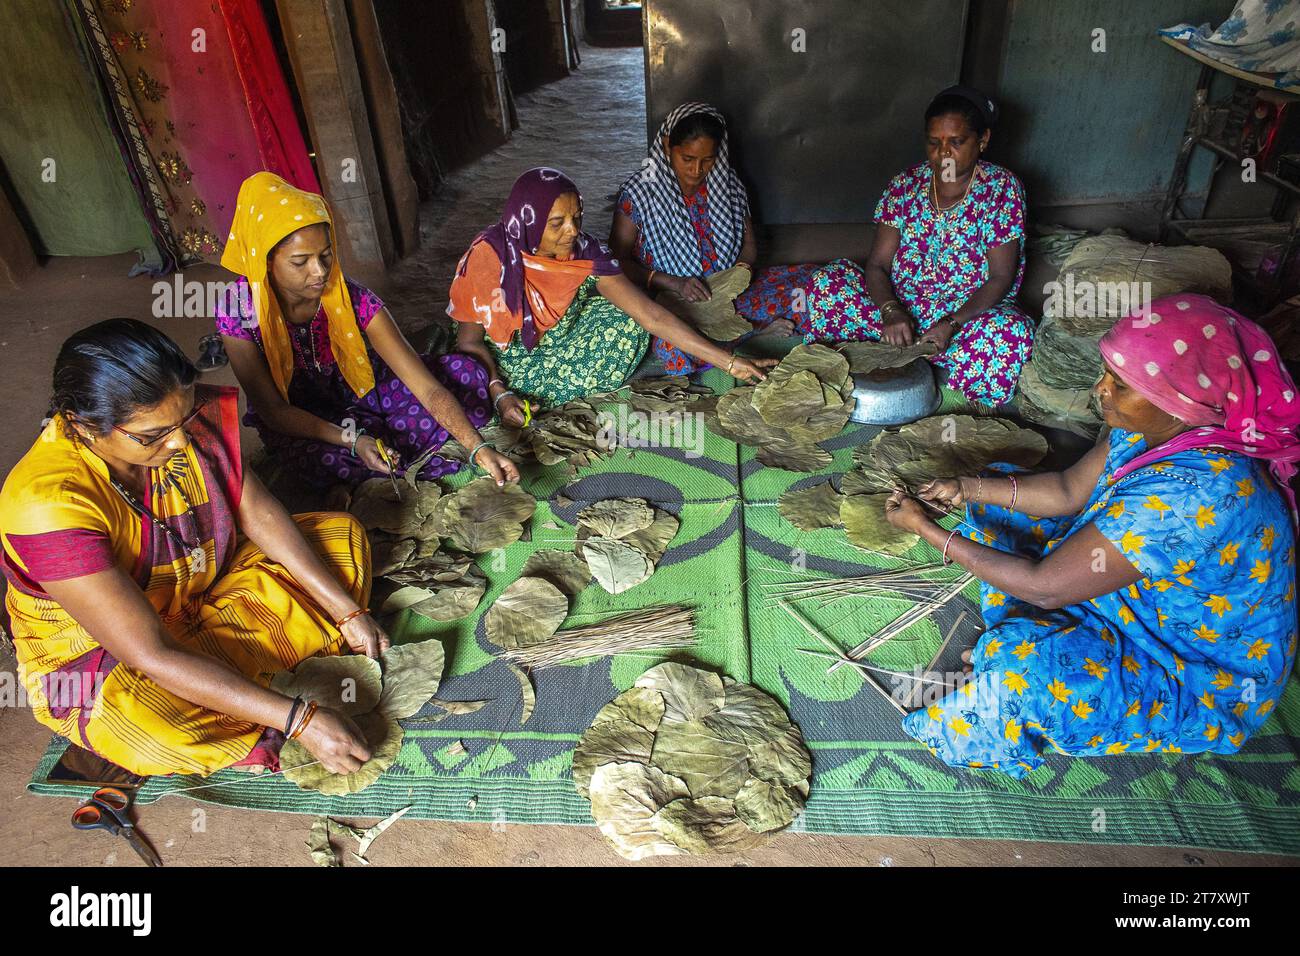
(327, 371)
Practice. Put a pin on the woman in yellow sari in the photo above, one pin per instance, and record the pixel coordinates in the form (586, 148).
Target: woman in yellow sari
(155, 587)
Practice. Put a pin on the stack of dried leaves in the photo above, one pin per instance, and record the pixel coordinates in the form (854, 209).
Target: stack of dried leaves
(657, 393)
(690, 762)
(1073, 409)
(804, 400)
(622, 539)
(716, 316)
(867, 357)
(375, 697)
(942, 446)
(569, 434)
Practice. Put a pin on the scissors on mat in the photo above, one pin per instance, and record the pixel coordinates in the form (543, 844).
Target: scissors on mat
(108, 809)
(387, 456)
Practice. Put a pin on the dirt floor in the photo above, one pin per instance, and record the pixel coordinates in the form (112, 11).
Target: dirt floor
(597, 145)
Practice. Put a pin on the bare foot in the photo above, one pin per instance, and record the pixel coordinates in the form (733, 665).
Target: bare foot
(780, 328)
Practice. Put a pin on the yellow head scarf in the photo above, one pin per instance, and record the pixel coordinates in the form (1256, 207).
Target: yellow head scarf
(268, 209)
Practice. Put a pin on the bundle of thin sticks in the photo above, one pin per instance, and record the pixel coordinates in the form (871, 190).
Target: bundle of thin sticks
(911, 582)
(915, 613)
(654, 628)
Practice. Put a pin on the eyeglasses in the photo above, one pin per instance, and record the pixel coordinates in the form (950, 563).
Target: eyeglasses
(147, 442)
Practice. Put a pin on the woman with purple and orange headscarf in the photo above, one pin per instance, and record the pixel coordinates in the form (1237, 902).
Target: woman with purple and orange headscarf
(546, 308)
(1150, 605)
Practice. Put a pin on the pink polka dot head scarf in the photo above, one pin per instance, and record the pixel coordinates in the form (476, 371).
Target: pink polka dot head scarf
(1215, 370)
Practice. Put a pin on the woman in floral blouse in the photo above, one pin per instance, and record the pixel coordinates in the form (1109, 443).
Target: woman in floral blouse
(946, 262)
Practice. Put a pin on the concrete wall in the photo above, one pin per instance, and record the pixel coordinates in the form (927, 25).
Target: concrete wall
(1083, 126)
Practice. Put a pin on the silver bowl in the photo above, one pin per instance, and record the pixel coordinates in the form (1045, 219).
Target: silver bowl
(895, 396)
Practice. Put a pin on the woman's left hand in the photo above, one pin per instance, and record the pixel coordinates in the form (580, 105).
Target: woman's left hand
(750, 370)
(365, 636)
(905, 512)
(940, 334)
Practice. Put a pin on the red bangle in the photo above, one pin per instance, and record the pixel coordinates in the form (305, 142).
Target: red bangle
(951, 535)
(348, 617)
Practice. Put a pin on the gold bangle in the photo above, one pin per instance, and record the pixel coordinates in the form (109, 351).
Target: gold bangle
(651, 278)
(731, 366)
(348, 617)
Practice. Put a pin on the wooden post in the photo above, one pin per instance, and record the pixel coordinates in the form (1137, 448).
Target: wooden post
(386, 126)
(561, 56)
(319, 39)
(17, 258)
(481, 16)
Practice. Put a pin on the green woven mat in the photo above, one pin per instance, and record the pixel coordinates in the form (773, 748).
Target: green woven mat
(869, 777)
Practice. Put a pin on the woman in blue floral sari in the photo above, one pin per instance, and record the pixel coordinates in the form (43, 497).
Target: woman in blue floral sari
(1143, 600)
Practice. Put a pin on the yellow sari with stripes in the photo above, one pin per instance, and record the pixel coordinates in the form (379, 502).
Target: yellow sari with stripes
(61, 518)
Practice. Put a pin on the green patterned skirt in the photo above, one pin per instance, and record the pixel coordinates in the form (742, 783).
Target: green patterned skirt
(594, 347)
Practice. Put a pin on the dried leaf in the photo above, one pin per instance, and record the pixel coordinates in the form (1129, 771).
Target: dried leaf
(791, 400)
(710, 765)
(389, 554)
(866, 526)
(484, 516)
(624, 800)
(748, 715)
(412, 673)
(784, 760)
(318, 843)
(794, 456)
(564, 569)
(716, 316)
(373, 833)
(763, 806)
(527, 612)
(706, 825)
(351, 683)
(525, 691)
(384, 737)
(809, 509)
(867, 357)
(689, 694)
(616, 517)
(948, 446)
(616, 565)
(655, 538)
(459, 707)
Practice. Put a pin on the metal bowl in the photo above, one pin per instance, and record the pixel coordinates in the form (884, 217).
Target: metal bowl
(895, 396)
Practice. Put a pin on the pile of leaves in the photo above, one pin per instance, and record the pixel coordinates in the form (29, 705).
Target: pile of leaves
(374, 694)
(658, 393)
(804, 400)
(532, 608)
(622, 539)
(716, 316)
(867, 357)
(942, 446)
(1072, 409)
(568, 434)
(690, 762)
(407, 528)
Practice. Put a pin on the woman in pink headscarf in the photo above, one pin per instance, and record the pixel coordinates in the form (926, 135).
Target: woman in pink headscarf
(1144, 599)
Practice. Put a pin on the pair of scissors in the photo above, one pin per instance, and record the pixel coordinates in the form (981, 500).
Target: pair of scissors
(528, 413)
(387, 456)
(108, 809)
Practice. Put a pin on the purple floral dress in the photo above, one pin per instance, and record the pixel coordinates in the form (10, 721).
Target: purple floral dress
(942, 259)
(776, 292)
(388, 411)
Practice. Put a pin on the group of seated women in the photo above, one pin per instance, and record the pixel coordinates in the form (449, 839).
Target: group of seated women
(1141, 600)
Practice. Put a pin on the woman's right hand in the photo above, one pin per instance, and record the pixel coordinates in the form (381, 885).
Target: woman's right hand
(511, 411)
(897, 327)
(368, 451)
(944, 492)
(335, 741)
(692, 289)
